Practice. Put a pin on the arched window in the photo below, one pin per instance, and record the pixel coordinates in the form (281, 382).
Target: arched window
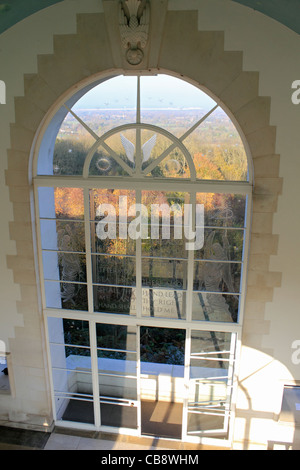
(143, 192)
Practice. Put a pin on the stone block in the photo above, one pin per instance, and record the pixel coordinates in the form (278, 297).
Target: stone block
(262, 141)
(242, 90)
(254, 115)
(266, 166)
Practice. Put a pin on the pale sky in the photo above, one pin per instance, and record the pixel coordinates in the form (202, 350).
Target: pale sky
(161, 91)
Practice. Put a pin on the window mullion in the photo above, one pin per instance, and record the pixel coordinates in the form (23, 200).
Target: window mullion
(190, 264)
(87, 231)
(138, 292)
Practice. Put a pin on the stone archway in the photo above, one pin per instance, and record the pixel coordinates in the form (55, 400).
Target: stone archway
(175, 45)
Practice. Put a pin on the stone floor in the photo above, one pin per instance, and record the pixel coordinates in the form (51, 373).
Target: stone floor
(63, 439)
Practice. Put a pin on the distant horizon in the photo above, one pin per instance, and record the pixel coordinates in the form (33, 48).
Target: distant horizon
(143, 109)
(158, 92)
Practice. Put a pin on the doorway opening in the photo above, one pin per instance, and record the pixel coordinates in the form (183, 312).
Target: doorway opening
(162, 381)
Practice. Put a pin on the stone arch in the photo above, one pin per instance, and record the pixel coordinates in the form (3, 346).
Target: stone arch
(175, 45)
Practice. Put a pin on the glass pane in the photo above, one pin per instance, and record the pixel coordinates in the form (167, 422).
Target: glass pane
(162, 346)
(76, 332)
(215, 307)
(214, 343)
(217, 276)
(174, 165)
(108, 299)
(223, 210)
(103, 164)
(116, 337)
(153, 144)
(112, 246)
(217, 149)
(107, 105)
(164, 303)
(64, 266)
(172, 103)
(160, 248)
(72, 381)
(124, 145)
(71, 148)
(226, 244)
(115, 270)
(112, 198)
(67, 357)
(208, 421)
(61, 203)
(62, 236)
(66, 295)
(75, 409)
(118, 416)
(164, 273)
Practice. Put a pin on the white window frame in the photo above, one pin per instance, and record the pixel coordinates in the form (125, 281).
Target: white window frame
(139, 183)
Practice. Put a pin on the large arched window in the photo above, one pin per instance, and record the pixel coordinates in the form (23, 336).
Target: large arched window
(142, 194)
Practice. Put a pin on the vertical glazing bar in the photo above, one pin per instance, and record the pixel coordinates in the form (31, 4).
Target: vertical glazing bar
(39, 245)
(190, 265)
(138, 146)
(138, 372)
(234, 355)
(138, 293)
(229, 382)
(87, 231)
(95, 379)
(48, 349)
(243, 284)
(187, 355)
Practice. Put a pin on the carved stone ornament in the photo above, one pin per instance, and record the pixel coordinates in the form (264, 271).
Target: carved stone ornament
(134, 28)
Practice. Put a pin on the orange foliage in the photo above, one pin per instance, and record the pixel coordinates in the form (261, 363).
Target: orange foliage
(69, 203)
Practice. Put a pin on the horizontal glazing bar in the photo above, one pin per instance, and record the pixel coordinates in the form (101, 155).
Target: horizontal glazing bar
(81, 371)
(73, 396)
(232, 187)
(216, 292)
(70, 345)
(114, 401)
(124, 319)
(117, 350)
(194, 355)
(62, 281)
(122, 376)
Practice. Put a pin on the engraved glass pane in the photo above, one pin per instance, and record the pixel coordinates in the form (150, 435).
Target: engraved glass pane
(69, 267)
(115, 270)
(225, 244)
(62, 236)
(66, 295)
(119, 300)
(164, 303)
(215, 307)
(217, 276)
(164, 273)
(124, 145)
